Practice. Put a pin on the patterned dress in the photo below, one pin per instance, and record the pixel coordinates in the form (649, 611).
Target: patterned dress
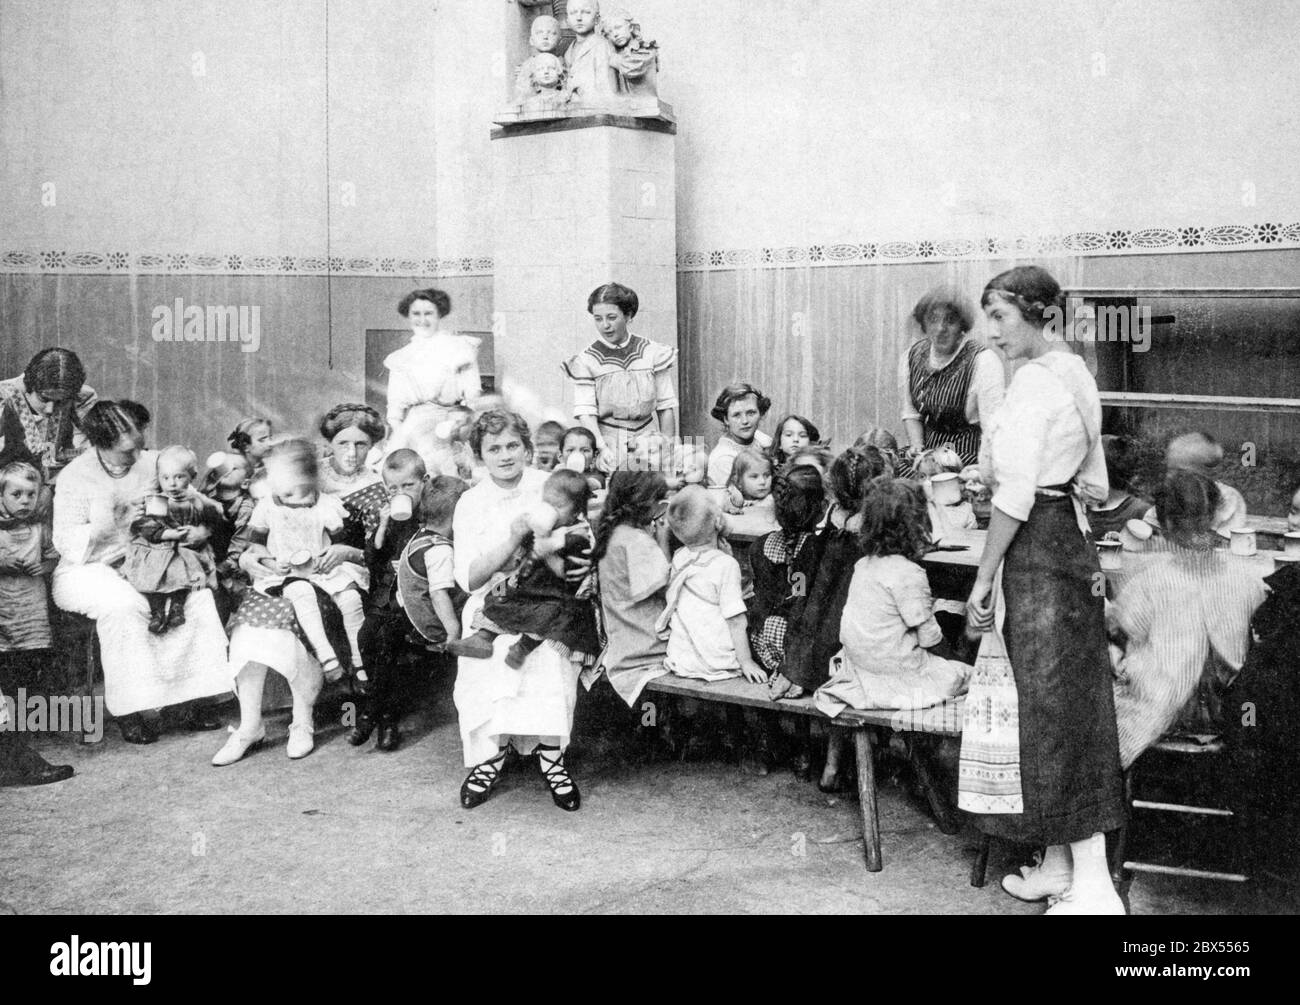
(940, 397)
(26, 434)
(623, 387)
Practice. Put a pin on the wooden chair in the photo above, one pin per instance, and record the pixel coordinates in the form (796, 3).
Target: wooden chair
(1205, 763)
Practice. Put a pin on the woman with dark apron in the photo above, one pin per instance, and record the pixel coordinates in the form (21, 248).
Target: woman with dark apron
(1042, 453)
(947, 380)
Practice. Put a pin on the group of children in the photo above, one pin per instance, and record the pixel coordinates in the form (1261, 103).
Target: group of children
(259, 520)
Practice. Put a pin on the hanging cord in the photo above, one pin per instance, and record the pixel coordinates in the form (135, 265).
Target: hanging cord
(329, 198)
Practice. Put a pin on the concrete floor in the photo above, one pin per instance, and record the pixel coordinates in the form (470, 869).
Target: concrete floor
(156, 829)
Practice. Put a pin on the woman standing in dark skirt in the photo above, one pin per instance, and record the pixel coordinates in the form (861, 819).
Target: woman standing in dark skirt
(1042, 452)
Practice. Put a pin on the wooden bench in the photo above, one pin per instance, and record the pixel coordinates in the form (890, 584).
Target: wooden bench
(941, 720)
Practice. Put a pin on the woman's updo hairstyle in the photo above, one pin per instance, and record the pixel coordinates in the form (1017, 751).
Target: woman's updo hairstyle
(241, 437)
(107, 421)
(1030, 288)
(738, 391)
(342, 417)
(54, 369)
(441, 302)
(799, 498)
(622, 297)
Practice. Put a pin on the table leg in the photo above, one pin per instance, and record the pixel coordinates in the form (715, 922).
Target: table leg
(867, 797)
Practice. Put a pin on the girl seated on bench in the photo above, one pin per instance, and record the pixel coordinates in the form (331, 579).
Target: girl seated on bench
(888, 628)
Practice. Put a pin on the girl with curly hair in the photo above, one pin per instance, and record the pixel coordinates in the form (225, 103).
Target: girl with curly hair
(888, 627)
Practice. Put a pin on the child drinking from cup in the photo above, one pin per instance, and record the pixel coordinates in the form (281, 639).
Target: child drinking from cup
(291, 528)
(535, 600)
(414, 539)
(169, 555)
(547, 445)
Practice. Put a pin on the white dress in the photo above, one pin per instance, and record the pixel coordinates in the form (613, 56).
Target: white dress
(426, 378)
(291, 529)
(92, 518)
(494, 702)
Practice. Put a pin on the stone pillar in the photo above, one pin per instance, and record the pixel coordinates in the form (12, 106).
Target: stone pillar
(579, 201)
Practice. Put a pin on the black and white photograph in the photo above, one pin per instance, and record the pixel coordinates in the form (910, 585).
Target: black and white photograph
(650, 457)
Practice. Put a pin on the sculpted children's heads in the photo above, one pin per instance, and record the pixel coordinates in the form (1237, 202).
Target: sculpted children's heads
(548, 70)
(619, 27)
(582, 15)
(545, 34)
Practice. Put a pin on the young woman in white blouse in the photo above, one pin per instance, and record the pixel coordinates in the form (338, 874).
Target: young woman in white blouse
(502, 710)
(1042, 453)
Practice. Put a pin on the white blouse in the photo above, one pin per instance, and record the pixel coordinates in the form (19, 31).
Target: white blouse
(439, 368)
(1047, 432)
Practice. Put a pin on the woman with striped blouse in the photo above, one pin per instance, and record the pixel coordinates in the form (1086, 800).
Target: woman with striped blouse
(948, 381)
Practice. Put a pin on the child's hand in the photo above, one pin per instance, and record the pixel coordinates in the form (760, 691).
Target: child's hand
(753, 673)
(276, 565)
(384, 512)
(32, 566)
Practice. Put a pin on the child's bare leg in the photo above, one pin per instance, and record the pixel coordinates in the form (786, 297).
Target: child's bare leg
(303, 598)
(837, 742)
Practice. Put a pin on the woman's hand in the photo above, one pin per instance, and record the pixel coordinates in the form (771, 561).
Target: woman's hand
(979, 608)
(607, 459)
(334, 556)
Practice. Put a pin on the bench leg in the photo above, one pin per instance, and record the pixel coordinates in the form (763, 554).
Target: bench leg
(979, 869)
(939, 806)
(867, 797)
(803, 745)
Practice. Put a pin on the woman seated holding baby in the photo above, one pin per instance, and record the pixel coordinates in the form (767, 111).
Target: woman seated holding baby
(101, 493)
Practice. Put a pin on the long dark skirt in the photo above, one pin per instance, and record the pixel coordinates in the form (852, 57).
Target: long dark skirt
(1056, 641)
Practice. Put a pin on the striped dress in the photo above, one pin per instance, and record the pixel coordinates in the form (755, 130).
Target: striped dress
(1184, 611)
(940, 397)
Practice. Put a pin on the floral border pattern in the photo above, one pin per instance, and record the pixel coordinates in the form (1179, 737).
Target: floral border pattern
(186, 263)
(1151, 240)
(1233, 236)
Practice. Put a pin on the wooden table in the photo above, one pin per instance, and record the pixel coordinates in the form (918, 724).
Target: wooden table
(938, 720)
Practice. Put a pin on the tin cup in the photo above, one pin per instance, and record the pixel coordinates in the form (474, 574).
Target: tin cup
(1291, 543)
(946, 488)
(1110, 555)
(1243, 541)
(301, 562)
(401, 507)
(1282, 561)
(155, 505)
(1135, 534)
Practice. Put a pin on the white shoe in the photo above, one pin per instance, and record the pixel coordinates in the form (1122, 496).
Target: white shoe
(1035, 883)
(237, 745)
(1098, 898)
(300, 740)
